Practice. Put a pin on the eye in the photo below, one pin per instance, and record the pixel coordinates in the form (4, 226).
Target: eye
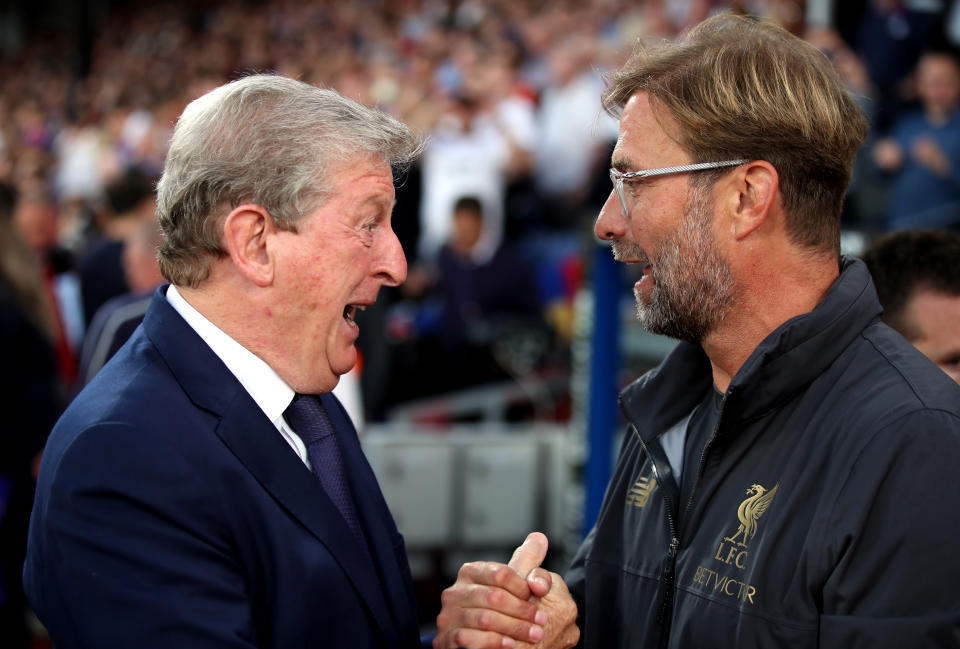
(632, 186)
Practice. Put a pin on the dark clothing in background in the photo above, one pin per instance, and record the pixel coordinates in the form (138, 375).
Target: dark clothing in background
(111, 326)
(478, 298)
(101, 274)
(30, 402)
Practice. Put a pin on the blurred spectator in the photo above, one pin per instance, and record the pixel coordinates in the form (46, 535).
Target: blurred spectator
(29, 399)
(467, 153)
(917, 275)
(574, 134)
(37, 221)
(469, 311)
(890, 37)
(116, 320)
(129, 204)
(510, 91)
(865, 205)
(481, 299)
(924, 151)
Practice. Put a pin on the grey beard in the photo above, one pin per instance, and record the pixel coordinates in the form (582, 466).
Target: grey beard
(693, 285)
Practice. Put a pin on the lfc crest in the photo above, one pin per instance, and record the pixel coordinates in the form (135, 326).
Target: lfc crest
(750, 510)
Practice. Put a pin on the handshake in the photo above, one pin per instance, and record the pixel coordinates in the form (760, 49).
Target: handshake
(497, 606)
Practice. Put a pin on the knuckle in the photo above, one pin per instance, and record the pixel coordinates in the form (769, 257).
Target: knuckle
(462, 638)
(485, 620)
(447, 596)
(500, 575)
(497, 599)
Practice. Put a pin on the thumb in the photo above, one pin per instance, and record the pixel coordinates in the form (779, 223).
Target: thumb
(530, 554)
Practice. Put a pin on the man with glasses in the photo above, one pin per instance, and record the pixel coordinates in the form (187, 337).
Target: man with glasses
(786, 477)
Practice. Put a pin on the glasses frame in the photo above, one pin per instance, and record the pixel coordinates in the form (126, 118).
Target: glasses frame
(617, 177)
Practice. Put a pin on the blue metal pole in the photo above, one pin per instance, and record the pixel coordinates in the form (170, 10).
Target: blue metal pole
(604, 363)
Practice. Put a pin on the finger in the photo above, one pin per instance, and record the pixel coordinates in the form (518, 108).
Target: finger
(476, 639)
(472, 639)
(530, 554)
(495, 599)
(570, 637)
(539, 581)
(558, 586)
(482, 619)
(491, 573)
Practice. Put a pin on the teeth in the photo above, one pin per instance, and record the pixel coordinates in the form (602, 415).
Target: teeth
(361, 307)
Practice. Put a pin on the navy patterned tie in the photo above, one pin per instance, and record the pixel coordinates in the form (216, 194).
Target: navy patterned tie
(310, 421)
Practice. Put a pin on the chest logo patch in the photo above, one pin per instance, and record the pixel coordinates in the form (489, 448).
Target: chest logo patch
(733, 549)
(750, 511)
(640, 492)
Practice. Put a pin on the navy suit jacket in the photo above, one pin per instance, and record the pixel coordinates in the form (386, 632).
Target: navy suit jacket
(171, 513)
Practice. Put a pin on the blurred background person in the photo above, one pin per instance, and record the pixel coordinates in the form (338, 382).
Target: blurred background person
(129, 203)
(464, 311)
(115, 321)
(923, 150)
(37, 219)
(30, 400)
(917, 275)
(467, 153)
(574, 136)
(889, 36)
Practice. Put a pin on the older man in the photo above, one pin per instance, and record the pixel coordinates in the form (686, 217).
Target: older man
(205, 490)
(785, 479)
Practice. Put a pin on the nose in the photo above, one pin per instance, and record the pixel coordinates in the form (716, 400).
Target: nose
(391, 264)
(611, 223)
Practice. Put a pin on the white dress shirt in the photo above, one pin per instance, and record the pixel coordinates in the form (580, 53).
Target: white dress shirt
(270, 392)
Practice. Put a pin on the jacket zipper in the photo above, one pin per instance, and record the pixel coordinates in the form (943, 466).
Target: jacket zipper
(703, 456)
(667, 578)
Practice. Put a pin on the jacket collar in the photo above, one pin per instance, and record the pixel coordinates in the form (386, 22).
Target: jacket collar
(253, 439)
(787, 360)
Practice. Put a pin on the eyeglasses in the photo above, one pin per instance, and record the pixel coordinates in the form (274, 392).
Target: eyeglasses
(617, 177)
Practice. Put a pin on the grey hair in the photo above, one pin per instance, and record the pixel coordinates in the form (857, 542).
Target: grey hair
(263, 139)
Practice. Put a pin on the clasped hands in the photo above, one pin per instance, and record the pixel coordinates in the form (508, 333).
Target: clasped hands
(517, 605)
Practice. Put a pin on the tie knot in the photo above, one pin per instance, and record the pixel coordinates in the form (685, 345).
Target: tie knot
(308, 418)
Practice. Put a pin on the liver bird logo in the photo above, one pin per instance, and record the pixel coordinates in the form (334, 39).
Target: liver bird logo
(750, 510)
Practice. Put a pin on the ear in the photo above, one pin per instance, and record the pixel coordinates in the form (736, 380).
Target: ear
(756, 184)
(246, 230)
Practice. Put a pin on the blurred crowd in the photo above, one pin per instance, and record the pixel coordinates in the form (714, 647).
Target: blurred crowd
(494, 219)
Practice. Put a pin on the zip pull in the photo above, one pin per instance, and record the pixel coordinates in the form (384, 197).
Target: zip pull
(674, 544)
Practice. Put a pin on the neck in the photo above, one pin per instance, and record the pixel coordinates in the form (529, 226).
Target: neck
(939, 115)
(771, 292)
(223, 300)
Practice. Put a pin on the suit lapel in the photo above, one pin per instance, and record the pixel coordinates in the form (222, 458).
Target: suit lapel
(254, 440)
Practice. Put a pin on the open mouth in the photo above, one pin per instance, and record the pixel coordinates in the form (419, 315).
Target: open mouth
(350, 311)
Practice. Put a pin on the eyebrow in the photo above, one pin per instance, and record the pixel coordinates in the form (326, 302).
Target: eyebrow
(622, 163)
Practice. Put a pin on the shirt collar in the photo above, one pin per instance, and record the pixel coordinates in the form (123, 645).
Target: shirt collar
(270, 392)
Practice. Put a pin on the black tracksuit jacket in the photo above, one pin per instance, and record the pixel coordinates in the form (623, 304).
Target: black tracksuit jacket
(826, 511)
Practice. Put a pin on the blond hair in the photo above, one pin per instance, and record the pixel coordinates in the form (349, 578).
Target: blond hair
(740, 87)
